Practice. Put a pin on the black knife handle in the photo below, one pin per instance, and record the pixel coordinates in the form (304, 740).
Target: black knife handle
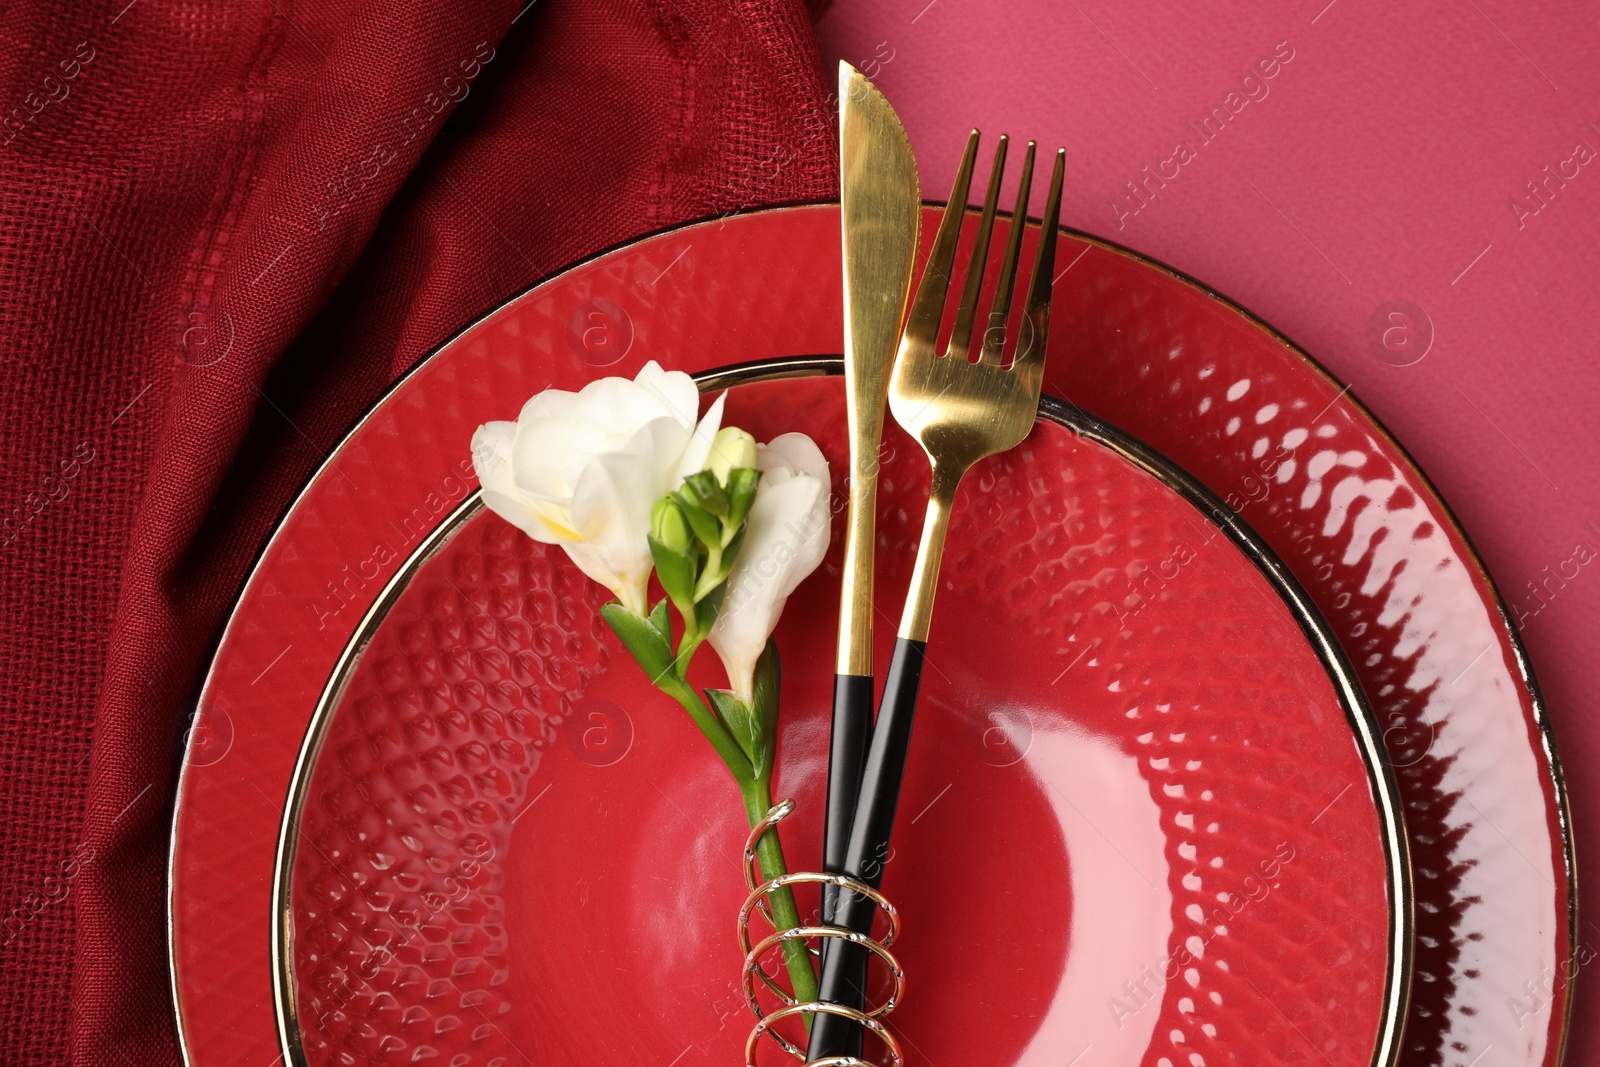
(852, 732)
(844, 965)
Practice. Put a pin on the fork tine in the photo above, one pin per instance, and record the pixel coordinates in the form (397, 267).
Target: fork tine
(994, 338)
(1036, 317)
(961, 336)
(927, 307)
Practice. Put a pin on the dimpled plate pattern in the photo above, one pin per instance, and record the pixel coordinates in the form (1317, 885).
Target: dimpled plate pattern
(1415, 612)
(1131, 342)
(400, 910)
(1196, 691)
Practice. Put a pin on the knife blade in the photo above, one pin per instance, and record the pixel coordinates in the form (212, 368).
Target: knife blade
(881, 217)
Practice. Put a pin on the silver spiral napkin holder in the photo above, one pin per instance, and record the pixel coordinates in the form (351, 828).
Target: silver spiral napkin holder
(756, 903)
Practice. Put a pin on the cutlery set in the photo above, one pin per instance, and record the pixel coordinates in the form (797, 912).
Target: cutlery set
(961, 409)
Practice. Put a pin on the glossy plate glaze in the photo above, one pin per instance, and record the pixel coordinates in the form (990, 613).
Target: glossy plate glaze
(1149, 351)
(1146, 820)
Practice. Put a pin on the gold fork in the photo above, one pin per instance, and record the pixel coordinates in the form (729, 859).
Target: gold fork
(960, 411)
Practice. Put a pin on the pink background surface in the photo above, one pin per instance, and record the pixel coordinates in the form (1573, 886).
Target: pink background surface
(1382, 162)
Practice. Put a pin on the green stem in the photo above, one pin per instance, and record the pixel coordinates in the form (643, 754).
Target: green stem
(711, 726)
(757, 801)
(711, 574)
(693, 637)
(785, 915)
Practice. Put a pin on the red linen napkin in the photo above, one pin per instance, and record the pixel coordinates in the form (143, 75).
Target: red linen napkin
(226, 228)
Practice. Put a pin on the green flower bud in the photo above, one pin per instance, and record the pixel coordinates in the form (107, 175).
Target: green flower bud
(669, 526)
(731, 449)
(676, 553)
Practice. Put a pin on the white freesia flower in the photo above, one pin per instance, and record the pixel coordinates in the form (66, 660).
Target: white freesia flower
(583, 470)
(784, 541)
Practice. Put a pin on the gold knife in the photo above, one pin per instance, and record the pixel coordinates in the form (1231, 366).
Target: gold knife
(881, 212)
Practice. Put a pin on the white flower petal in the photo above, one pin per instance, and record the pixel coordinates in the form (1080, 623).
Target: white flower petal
(491, 455)
(611, 507)
(548, 404)
(619, 405)
(785, 539)
(492, 447)
(594, 563)
(786, 536)
(517, 511)
(550, 454)
(660, 441)
(698, 449)
(623, 406)
(674, 390)
(801, 453)
(787, 455)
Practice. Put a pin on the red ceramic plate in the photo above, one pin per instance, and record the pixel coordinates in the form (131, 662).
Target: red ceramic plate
(1140, 821)
(1132, 343)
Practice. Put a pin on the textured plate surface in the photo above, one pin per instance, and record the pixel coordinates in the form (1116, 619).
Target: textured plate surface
(1151, 352)
(1138, 823)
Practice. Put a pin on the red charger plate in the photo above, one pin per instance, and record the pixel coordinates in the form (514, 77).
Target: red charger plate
(1133, 343)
